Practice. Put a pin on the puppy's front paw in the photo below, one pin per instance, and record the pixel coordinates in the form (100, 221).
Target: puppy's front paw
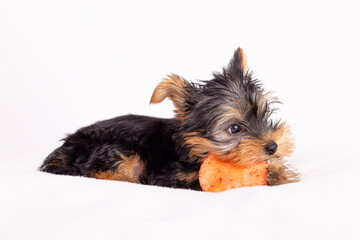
(279, 173)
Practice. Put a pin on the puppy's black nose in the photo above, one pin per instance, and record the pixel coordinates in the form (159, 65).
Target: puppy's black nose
(271, 148)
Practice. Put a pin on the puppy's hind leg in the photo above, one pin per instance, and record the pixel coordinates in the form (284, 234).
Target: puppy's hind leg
(127, 167)
(58, 163)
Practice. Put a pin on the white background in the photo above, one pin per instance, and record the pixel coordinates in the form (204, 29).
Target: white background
(66, 64)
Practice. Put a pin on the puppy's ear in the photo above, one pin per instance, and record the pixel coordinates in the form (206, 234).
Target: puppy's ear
(238, 63)
(174, 87)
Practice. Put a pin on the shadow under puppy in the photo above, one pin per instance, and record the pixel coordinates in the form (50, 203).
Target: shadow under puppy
(228, 116)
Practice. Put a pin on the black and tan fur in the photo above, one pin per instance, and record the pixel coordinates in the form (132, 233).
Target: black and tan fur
(228, 116)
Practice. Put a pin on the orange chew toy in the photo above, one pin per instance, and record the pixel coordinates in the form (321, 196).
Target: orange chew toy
(218, 176)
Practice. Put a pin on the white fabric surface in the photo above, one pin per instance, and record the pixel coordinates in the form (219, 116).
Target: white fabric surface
(66, 64)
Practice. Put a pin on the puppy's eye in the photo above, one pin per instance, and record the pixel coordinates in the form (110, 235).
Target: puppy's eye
(234, 128)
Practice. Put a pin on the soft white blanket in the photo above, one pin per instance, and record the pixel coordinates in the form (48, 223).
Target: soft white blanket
(67, 64)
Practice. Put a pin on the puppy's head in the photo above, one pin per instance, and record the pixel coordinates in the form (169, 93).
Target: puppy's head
(228, 116)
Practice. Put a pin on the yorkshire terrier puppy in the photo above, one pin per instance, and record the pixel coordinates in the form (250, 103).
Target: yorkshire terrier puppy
(228, 116)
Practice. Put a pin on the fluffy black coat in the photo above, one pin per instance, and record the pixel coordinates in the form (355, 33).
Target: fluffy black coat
(92, 149)
(228, 116)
